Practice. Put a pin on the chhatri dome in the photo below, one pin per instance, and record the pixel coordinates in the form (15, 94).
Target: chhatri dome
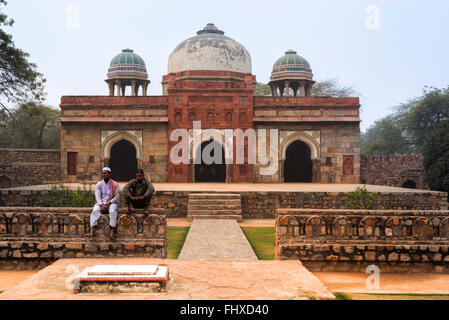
(127, 69)
(291, 71)
(210, 49)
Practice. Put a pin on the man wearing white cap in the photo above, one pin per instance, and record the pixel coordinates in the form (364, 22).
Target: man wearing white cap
(107, 196)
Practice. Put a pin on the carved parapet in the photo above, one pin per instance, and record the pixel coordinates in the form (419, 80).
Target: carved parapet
(381, 236)
(51, 233)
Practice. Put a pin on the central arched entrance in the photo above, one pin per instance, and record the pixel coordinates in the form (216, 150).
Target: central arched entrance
(123, 162)
(215, 172)
(298, 164)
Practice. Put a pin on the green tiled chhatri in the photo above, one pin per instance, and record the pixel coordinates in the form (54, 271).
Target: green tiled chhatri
(291, 58)
(128, 57)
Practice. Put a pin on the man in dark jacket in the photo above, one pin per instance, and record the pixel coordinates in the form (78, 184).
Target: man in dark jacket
(138, 192)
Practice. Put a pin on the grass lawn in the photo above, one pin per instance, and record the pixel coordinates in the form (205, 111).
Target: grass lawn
(372, 296)
(175, 240)
(261, 240)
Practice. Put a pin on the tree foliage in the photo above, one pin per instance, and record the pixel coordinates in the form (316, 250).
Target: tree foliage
(19, 80)
(386, 136)
(436, 158)
(332, 88)
(410, 126)
(426, 115)
(262, 89)
(31, 126)
(361, 198)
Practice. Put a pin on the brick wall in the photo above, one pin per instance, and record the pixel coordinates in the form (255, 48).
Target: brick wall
(24, 167)
(350, 240)
(393, 170)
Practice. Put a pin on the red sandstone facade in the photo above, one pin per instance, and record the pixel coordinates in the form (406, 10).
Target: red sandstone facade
(91, 125)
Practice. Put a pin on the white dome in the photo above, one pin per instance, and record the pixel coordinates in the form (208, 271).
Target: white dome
(210, 50)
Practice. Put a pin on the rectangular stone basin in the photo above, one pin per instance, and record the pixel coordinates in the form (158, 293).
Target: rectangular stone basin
(122, 279)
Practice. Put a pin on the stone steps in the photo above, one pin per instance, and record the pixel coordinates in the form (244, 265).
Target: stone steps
(238, 218)
(196, 202)
(214, 206)
(215, 196)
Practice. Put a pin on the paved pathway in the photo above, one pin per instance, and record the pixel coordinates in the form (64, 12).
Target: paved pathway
(197, 280)
(216, 240)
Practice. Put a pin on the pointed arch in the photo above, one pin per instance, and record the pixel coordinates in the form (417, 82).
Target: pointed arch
(304, 137)
(107, 144)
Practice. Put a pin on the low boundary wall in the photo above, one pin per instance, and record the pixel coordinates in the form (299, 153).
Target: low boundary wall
(350, 240)
(34, 237)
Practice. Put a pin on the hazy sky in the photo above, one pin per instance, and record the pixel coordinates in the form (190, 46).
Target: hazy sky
(388, 49)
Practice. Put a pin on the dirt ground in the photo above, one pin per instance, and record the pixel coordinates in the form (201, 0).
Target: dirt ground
(393, 283)
(9, 279)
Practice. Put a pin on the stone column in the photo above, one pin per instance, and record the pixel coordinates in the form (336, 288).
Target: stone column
(273, 90)
(133, 88)
(308, 92)
(287, 88)
(302, 92)
(119, 85)
(111, 88)
(123, 89)
(144, 89)
(281, 91)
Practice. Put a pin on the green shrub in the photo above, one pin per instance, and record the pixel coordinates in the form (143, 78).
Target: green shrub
(61, 196)
(361, 199)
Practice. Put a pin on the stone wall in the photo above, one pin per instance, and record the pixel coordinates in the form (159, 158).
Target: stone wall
(25, 167)
(393, 170)
(333, 142)
(30, 237)
(85, 139)
(350, 240)
(261, 205)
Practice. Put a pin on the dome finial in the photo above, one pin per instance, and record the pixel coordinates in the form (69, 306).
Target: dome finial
(210, 28)
(290, 51)
(127, 50)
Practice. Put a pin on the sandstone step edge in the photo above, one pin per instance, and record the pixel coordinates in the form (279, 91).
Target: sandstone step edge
(239, 218)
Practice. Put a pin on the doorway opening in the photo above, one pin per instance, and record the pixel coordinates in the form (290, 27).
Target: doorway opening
(123, 162)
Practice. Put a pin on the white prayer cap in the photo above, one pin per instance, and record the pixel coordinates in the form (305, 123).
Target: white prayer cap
(106, 169)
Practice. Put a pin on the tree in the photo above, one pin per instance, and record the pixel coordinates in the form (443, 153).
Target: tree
(19, 80)
(436, 158)
(31, 126)
(332, 88)
(262, 89)
(426, 115)
(386, 136)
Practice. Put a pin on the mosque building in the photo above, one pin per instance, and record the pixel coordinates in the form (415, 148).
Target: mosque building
(210, 81)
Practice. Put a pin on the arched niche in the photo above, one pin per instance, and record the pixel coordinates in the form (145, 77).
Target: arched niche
(113, 138)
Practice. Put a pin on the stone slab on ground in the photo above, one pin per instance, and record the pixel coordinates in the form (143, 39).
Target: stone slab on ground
(189, 280)
(216, 240)
(389, 283)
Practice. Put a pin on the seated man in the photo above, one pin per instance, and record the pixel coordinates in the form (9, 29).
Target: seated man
(107, 196)
(138, 192)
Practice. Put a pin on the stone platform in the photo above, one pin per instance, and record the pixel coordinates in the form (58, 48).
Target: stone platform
(259, 201)
(189, 280)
